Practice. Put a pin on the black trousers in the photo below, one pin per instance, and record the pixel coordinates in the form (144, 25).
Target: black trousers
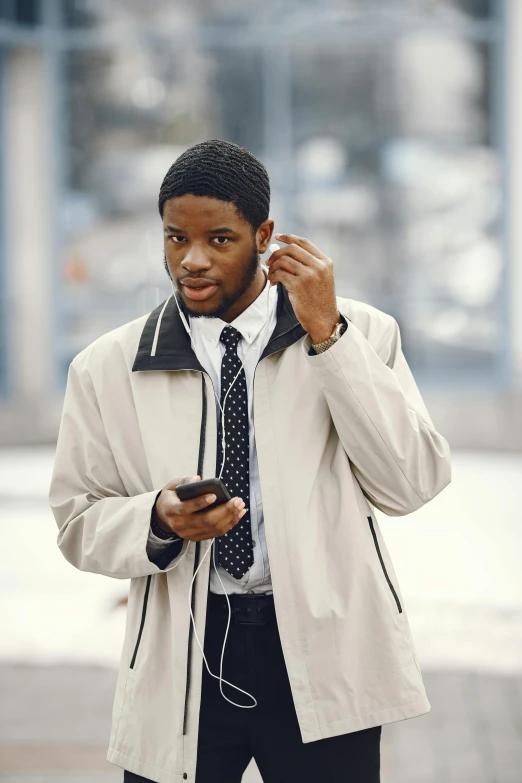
(229, 736)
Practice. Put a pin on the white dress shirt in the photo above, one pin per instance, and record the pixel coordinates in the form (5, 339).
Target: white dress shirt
(255, 332)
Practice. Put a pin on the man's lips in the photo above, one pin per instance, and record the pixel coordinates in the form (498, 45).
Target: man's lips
(203, 291)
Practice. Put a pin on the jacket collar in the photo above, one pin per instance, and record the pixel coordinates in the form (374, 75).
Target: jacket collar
(165, 331)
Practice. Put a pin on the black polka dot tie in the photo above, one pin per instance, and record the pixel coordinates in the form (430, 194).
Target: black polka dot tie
(235, 547)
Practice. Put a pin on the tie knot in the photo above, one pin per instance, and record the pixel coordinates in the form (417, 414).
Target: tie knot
(230, 336)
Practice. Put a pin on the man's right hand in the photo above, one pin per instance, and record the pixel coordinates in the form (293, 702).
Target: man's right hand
(178, 515)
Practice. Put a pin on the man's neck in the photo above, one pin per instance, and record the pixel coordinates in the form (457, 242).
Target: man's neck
(255, 290)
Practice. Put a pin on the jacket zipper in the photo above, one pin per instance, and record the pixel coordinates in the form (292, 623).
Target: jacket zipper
(201, 457)
(142, 623)
(399, 607)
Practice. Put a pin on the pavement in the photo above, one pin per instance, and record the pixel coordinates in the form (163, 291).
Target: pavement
(55, 724)
(458, 564)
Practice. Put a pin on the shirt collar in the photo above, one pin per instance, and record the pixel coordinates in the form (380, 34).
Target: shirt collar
(249, 323)
(165, 345)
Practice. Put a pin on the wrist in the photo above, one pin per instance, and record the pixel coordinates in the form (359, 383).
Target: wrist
(324, 331)
(160, 528)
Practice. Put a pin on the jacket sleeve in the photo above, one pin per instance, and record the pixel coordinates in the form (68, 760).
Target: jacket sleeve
(397, 455)
(101, 528)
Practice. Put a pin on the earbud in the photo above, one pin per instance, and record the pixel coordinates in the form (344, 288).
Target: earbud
(273, 247)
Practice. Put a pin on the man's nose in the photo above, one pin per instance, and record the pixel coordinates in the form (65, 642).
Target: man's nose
(195, 260)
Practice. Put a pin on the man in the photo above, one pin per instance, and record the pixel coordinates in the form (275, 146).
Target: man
(323, 422)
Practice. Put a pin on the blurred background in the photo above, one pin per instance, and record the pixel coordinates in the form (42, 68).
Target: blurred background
(391, 132)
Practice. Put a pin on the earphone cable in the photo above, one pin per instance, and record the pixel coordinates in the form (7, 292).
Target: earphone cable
(209, 548)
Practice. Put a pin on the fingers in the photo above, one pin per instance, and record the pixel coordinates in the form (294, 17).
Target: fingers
(173, 483)
(198, 505)
(287, 263)
(296, 272)
(297, 263)
(295, 251)
(233, 510)
(217, 521)
(290, 281)
(302, 242)
(184, 507)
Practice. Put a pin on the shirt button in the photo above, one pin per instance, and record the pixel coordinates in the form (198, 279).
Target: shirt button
(253, 542)
(250, 592)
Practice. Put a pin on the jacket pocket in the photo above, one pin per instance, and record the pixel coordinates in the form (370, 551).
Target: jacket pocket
(390, 585)
(142, 623)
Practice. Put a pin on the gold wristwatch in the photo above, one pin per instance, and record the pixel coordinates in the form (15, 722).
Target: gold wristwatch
(336, 334)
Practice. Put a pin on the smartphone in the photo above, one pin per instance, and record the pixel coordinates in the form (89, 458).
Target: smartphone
(211, 486)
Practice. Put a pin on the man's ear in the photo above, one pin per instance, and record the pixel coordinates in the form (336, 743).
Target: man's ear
(264, 234)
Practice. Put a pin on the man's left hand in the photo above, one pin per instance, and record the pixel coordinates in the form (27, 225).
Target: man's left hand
(307, 274)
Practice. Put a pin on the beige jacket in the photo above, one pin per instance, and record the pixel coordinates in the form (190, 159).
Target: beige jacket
(338, 434)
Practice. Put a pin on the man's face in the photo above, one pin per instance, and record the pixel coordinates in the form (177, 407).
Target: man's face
(213, 256)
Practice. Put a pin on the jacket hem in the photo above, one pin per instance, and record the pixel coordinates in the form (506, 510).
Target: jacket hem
(368, 720)
(129, 763)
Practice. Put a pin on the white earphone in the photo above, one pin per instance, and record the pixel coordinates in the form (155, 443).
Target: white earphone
(272, 248)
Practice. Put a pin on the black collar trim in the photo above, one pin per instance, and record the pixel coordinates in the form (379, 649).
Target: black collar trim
(173, 347)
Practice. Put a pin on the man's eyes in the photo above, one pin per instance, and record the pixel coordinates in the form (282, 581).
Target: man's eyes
(176, 237)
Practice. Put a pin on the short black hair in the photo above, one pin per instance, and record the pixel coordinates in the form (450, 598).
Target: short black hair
(223, 170)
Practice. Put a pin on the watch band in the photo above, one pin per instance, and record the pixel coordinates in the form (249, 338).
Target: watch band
(340, 328)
